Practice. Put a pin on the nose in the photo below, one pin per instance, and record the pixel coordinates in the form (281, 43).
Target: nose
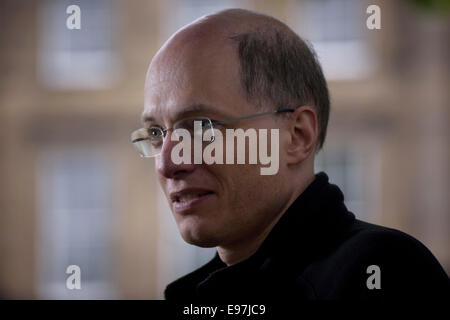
(164, 162)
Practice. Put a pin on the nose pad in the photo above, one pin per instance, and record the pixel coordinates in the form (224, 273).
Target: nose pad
(210, 131)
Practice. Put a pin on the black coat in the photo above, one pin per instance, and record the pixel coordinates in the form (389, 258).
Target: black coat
(318, 250)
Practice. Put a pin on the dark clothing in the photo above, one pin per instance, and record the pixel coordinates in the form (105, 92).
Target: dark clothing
(318, 250)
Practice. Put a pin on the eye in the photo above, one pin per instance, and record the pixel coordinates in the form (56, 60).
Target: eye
(155, 133)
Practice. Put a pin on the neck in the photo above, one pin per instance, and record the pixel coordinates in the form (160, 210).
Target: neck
(240, 250)
(235, 253)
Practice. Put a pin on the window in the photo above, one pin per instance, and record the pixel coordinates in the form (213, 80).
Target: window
(336, 29)
(186, 11)
(78, 59)
(75, 221)
(344, 167)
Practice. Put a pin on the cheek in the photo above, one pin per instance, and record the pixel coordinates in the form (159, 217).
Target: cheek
(241, 185)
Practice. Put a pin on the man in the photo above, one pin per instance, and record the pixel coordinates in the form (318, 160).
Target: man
(285, 235)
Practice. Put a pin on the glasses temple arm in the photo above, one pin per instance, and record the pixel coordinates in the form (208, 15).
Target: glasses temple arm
(253, 116)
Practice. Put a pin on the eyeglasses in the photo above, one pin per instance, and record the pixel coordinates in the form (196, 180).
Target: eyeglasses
(149, 141)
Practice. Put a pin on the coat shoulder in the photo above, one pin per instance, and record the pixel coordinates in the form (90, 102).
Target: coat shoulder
(366, 240)
(405, 265)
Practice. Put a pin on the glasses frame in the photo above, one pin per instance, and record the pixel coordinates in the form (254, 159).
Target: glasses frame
(213, 123)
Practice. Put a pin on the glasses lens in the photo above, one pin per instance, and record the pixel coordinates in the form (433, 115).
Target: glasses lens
(195, 126)
(148, 142)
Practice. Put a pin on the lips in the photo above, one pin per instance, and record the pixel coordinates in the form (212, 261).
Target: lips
(188, 194)
(189, 198)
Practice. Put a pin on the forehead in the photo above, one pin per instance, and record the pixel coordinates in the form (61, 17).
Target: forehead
(152, 116)
(192, 81)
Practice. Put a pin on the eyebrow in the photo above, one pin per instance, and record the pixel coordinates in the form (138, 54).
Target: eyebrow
(192, 109)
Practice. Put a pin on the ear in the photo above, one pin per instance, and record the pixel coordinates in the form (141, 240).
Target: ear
(303, 134)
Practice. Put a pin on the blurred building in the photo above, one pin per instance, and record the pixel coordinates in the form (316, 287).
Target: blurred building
(74, 191)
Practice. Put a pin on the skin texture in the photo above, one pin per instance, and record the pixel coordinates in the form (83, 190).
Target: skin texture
(199, 65)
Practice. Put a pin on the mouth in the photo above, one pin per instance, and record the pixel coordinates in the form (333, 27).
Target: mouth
(186, 200)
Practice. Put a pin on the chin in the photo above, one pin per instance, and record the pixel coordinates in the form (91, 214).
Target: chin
(202, 243)
(199, 238)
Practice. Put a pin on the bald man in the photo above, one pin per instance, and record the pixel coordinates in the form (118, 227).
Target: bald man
(280, 236)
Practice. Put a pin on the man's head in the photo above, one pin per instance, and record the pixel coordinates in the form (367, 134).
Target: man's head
(228, 65)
